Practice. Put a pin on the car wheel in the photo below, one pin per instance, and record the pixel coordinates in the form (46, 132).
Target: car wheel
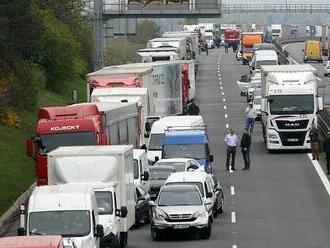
(155, 234)
(205, 233)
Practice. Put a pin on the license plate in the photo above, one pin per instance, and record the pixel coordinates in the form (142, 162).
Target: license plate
(180, 226)
(293, 140)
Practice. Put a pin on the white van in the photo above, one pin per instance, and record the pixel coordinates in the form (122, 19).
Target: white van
(202, 180)
(158, 131)
(141, 169)
(263, 57)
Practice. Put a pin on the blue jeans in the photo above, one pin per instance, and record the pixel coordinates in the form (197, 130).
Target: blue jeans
(249, 124)
(246, 157)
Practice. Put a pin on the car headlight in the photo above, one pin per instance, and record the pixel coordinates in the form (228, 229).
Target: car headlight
(272, 136)
(199, 214)
(160, 214)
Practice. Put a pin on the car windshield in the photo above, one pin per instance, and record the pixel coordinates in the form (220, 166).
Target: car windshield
(159, 173)
(178, 197)
(136, 169)
(198, 184)
(265, 62)
(49, 142)
(75, 223)
(177, 166)
(196, 151)
(291, 104)
(104, 202)
(156, 142)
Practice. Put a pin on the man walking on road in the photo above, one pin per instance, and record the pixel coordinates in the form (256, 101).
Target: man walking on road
(327, 151)
(314, 139)
(245, 147)
(251, 114)
(231, 142)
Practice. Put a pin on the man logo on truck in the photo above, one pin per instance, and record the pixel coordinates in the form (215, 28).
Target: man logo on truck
(292, 124)
(64, 128)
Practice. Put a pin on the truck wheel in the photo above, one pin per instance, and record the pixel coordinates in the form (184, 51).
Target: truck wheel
(155, 234)
(123, 240)
(205, 233)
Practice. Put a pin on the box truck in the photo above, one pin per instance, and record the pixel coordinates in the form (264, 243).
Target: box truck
(248, 40)
(289, 105)
(109, 171)
(180, 43)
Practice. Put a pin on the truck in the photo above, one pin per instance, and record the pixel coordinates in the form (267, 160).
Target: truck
(326, 40)
(232, 37)
(158, 54)
(81, 124)
(108, 170)
(180, 43)
(313, 51)
(263, 57)
(248, 40)
(276, 30)
(68, 210)
(289, 105)
(33, 242)
(157, 132)
(141, 169)
(190, 142)
(209, 32)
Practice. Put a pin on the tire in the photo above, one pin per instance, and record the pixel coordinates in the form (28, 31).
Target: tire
(205, 233)
(123, 240)
(155, 234)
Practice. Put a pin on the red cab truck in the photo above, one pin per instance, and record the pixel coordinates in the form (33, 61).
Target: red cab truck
(232, 37)
(81, 124)
(32, 242)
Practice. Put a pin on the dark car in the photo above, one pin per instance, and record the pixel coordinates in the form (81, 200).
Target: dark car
(142, 208)
(219, 198)
(157, 178)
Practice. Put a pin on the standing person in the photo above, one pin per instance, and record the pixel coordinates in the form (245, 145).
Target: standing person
(231, 142)
(206, 48)
(245, 147)
(193, 109)
(326, 146)
(226, 47)
(314, 139)
(251, 114)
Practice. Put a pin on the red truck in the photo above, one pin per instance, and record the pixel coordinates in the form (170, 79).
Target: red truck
(32, 242)
(232, 37)
(81, 124)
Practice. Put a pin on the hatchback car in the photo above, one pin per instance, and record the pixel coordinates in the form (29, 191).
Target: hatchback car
(180, 208)
(181, 164)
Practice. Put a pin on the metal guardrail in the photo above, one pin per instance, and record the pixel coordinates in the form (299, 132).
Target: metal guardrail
(323, 122)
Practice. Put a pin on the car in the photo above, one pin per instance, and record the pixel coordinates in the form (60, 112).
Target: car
(180, 208)
(157, 178)
(142, 208)
(327, 69)
(243, 83)
(181, 164)
(257, 105)
(254, 84)
(219, 198)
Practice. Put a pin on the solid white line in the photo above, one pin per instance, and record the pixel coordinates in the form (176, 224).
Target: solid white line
(227, 125)
(321, 174)
(234, 246)
(233, 217)
(232, 190)
(226, 116)
(225, 107)
(224, 99)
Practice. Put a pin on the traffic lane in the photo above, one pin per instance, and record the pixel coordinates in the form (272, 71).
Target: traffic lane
(281, 201)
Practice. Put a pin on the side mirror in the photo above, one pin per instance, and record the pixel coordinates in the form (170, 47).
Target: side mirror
(145, 176)
(99, 231)
(29, 147)
(151, 203)
(21, 231)
(104, 140)
(211, 158)
(320, 103)
(147, 127)
(144, 146)
(122, 212)
(209, 194)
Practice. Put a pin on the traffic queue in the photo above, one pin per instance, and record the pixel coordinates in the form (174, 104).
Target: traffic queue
(136, 152)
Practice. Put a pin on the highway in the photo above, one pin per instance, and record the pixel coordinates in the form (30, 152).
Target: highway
(280, 202)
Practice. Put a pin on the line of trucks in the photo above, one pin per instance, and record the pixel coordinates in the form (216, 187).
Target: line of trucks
(86, 153)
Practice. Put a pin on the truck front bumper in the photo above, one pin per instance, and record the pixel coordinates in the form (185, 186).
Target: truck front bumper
(278, 140)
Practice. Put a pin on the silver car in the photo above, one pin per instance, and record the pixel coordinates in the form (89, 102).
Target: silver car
(179, 208)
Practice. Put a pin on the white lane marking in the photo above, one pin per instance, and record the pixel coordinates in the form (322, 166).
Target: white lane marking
(319, 79)
(222, 93)
(321, 174)
(234, 246)
(225, 107)
(292, 60)
(226, 116)
(232, 190)
(219, 75)
(227, 125)
(221, 88)
(233, 217)
(224, 99)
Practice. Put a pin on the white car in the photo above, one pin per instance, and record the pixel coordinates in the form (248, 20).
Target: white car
(181, 164)
(327, 69)
(257, 105)
(255, 84)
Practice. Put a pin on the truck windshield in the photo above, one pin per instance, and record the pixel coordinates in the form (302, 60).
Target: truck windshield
(104, 202)
(265, 62)
(68, 223)
(196, 151)
(291, 104)
(178, 197)
(49, 142)
(156, 142)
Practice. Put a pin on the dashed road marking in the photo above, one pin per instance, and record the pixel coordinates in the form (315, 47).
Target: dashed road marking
(224, 99)
(235, 246)
(222, 93)
(226, 116)
(225, 107)
(221, 88)
(232, 190)
(233, 217)
(227, 125)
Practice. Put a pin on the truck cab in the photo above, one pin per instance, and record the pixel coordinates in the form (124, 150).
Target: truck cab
(190, 143)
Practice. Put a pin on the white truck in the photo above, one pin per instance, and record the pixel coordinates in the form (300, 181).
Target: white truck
(158, 54)
(109, 171)
(69, 210)
(263, 57)
(208, 32)
(159, 127)
(276, 30)
(180, 43)
(289, 105)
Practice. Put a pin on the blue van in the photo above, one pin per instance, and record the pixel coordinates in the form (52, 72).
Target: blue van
(190, 143)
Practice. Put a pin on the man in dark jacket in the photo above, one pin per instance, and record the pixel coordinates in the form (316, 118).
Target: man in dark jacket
(314, 139)
(245, 147)
(327, 151)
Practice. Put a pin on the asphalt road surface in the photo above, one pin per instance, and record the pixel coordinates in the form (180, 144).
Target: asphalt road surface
(281, 202)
